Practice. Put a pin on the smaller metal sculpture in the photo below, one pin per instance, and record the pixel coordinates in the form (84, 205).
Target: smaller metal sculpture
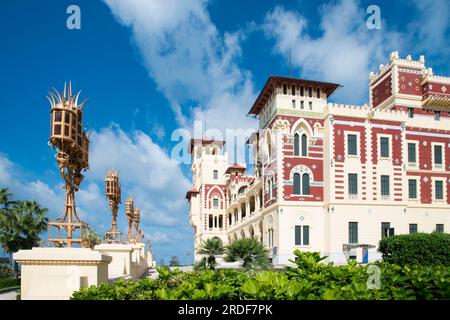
(129, 210)
(139, 236)
(113, 193)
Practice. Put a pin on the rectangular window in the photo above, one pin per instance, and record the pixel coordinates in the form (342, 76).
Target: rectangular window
(302, 91)
(216, 174)
(438, 154)
(351, 145)
(293, 104)
(437, 115)
(412, 189)
(216, 203)
(353, 232)
(210, 221)
(310, 105)
(440, 228)
(306, 235)
(385, 229)
(318, 93)
(284, 89)
(352, 183)
(385, 185)
(298, 235)
(384, 147)
(412, 153)
(302, 104)
(293, 90)
(439, 189)
(410, 112)
(310, 92)
(412, 228)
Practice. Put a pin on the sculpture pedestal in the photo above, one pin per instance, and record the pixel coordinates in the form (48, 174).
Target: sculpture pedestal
(121, 258)
(139, 263)
(55, 273)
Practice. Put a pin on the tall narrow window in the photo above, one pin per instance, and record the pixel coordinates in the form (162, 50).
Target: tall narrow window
(353, 232)
(296, 144)
(412, 228)
(211, 221)
(384, 147)
(293, 90)
(439, 189)
(216, 174)
(385, 229)
(304, 145)
(412, 189)
(310, 105)
(284, 89)
(215, 203)
(352, 184)
(438, 154)
(305, 184)
(298, 235)
(440, 228)
(410, 112)
(318, 93)
(310, 92)
(302, 104)
(296, 183)
(411, 152)
(293, 104)
(437, 115)
(385, 185)
(351, 145)
(302, 91)
(306, 235)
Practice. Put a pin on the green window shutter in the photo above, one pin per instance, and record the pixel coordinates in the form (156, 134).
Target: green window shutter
(306, 235)
(296, 183)
(438, 154)
(385, 229)
(296, 145)
(353, 232)
(439, 189)
(412, 189)
(298, 235)
(305, 184)
(352, 183)
(384, 147)
(385, 185)
(304, 145)
(440, 228)
(412, 152)
(351, 145)
(412, 228)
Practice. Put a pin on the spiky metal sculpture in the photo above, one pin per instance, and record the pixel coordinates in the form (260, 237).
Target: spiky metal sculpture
(72, 145)
(129, 210)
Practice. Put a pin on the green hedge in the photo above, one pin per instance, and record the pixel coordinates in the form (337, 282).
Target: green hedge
(420, 248)
(9, 282)
(309, 280)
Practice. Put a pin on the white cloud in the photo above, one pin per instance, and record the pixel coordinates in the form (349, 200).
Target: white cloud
(344, 52)
(193, 64)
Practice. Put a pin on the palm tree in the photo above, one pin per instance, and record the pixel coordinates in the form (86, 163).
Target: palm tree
(211, 248)
(250, 251)
(5, 196)
(20, 224)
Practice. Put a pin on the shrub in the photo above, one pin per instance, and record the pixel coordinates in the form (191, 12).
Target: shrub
(310, 279)
(419, 248)
(250, 251)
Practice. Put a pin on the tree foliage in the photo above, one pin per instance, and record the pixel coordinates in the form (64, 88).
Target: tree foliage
(250, 251)
(210, 249)
(21, 222)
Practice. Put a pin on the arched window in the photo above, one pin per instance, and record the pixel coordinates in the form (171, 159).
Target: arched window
(269, 147)
(296, 183)
(305, 184)
(296, 145)
(304, 146)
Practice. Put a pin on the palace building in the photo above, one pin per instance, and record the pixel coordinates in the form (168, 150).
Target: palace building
(330, 177)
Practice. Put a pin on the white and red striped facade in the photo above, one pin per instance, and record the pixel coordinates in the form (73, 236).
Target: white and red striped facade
(329, 175)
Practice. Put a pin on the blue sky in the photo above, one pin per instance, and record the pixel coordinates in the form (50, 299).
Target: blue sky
(151, 67)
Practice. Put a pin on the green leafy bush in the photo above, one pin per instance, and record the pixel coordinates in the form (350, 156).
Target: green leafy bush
(309, 279)
(419, 248)
(9, 282)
